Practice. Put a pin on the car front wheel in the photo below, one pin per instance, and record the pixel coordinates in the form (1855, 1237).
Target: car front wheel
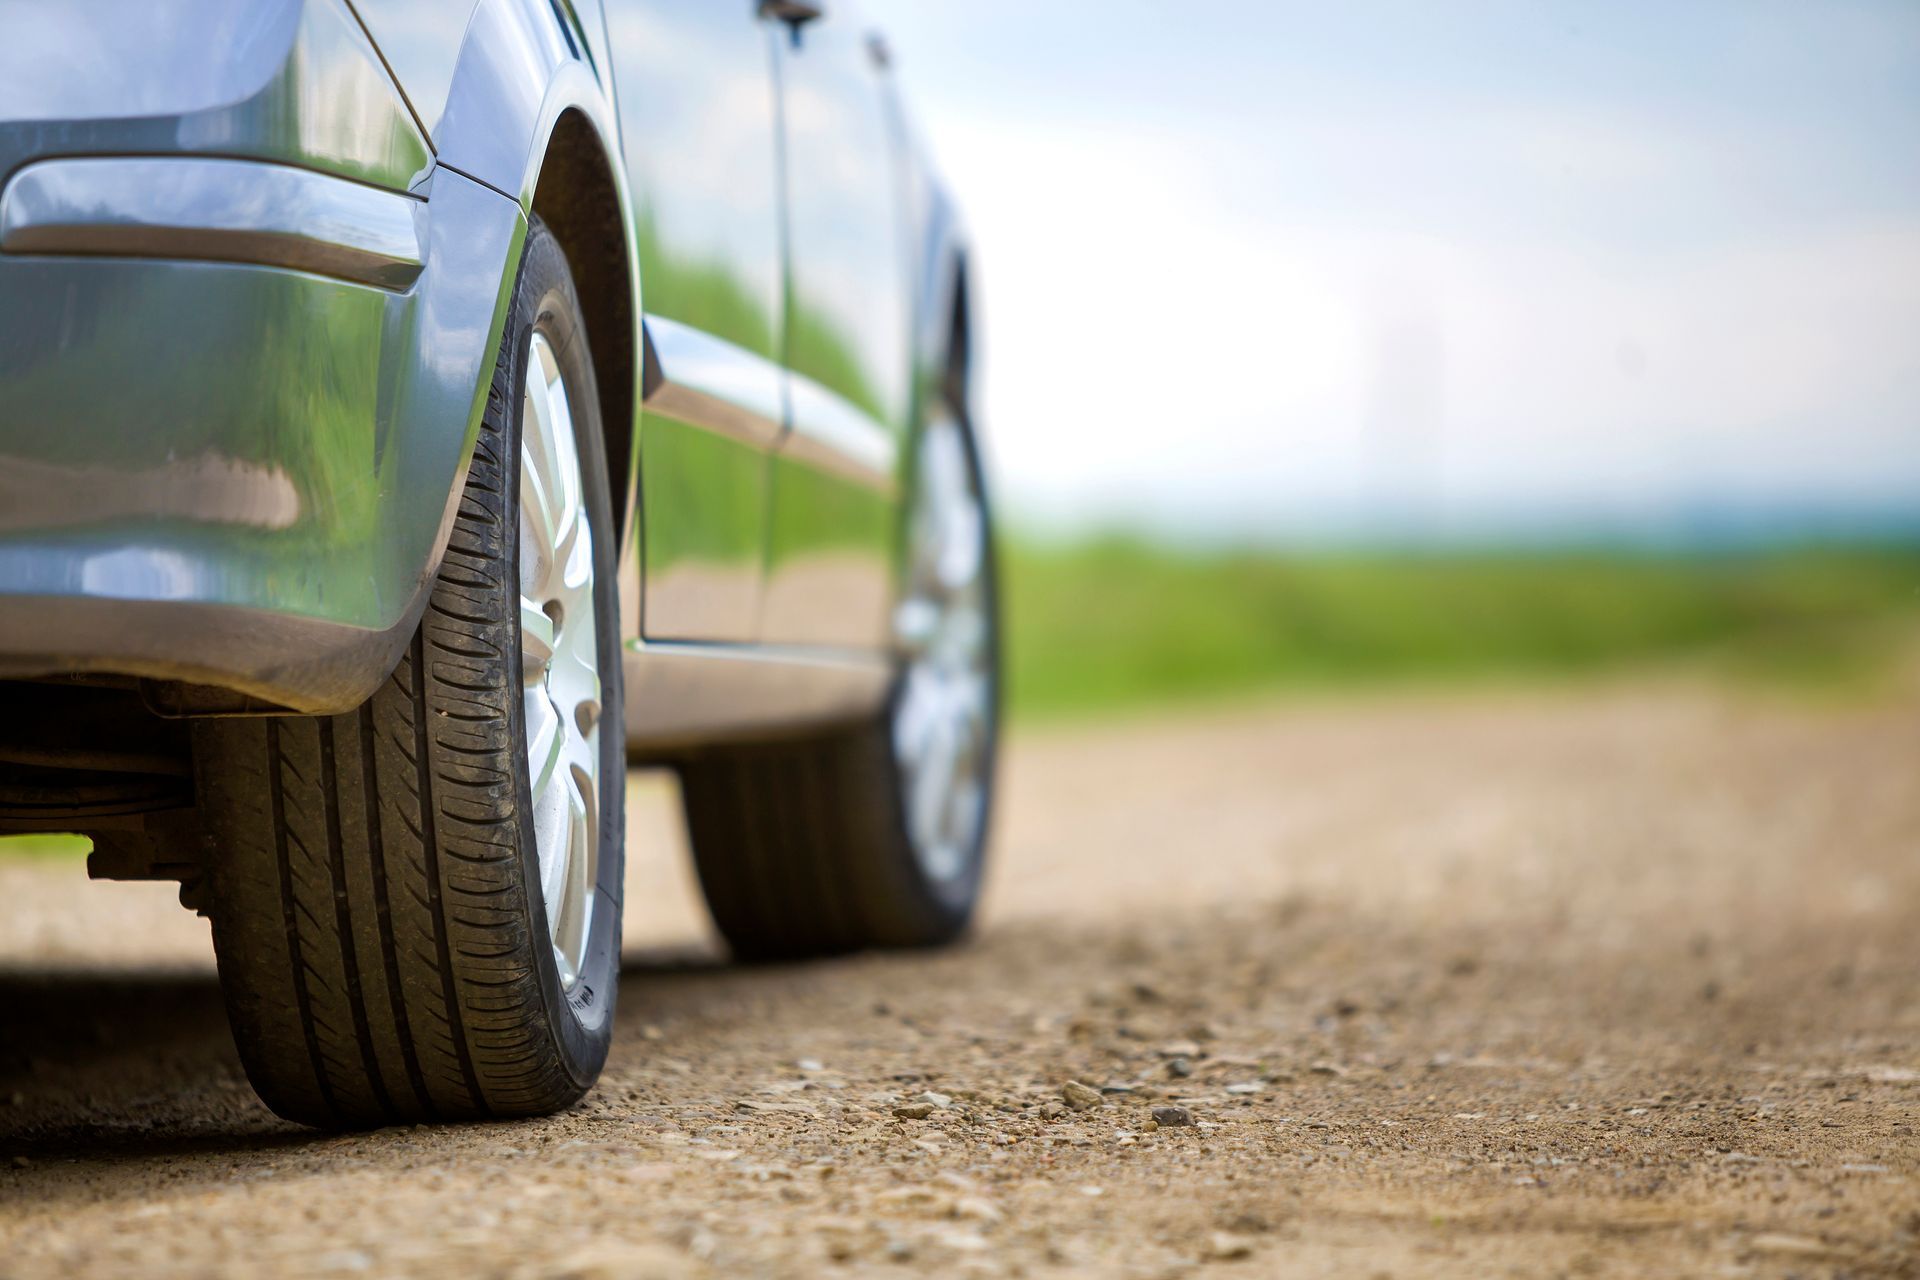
(416, 905)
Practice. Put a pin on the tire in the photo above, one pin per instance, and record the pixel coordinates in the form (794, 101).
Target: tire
(375, 883)
(806, 847)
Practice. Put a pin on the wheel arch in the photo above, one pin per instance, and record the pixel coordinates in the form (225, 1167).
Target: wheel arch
(945, 350)
(577, 196)
(530, 113)
(957, 375)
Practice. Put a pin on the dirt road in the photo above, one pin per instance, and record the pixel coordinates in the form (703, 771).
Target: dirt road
(1602, 983)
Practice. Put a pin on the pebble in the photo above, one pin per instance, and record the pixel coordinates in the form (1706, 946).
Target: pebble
(937, 1100)
(1052, 1111)
(1172, 1117)
(757, 1107)
(1779, 1243)
(976, 1209)
(1180, 1049)
(1224, 1246)
(913, 1111)
(1180, 1068)
(1079, 1096)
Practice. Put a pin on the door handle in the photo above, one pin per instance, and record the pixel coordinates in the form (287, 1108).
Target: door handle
(795, 13)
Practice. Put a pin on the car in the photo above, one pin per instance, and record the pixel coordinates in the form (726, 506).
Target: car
(411, 414)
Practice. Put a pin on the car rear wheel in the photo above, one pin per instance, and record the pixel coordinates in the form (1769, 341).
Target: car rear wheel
(416, 905)
(874, 833)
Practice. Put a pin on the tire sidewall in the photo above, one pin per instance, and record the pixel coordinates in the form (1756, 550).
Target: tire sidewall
(582, 1019)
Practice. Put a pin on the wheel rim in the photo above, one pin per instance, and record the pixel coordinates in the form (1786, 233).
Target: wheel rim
(942, 718)
(560, 659)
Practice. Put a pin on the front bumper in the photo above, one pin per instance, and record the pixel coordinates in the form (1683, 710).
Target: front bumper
(235, 470)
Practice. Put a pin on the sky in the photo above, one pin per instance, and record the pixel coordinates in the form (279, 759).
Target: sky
(1253, 270)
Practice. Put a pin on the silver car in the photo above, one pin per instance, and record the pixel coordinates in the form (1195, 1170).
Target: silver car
(411, 412)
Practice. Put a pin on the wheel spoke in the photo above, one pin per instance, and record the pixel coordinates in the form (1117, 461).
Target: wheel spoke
(536, 635)
(942, 631)
(546, 743)
(559, 642)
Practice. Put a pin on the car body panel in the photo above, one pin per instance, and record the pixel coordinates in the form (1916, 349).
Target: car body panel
(830, 550)
(421, 44)
(272, 456)
(343, 232)
(291, 81)
(699, 120)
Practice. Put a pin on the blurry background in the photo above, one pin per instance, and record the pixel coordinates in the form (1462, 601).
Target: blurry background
(1330, 343)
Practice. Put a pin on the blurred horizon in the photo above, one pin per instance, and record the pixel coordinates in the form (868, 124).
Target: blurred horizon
(1502, 275)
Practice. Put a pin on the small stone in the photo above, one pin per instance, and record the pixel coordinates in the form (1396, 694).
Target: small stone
(651, 1032)
(1052, 1111)
(1224, 1246)
(755, 1106)
(1180, 1049)
(1172, 1117)
(1246, 1087)
(1115, 1089)
(976, 1209)
(21, 1162)
(809, 1064)
(1781, 1244)
(1079, 1096)
(940, 1101)
(1327, 1069)
(1180, 1068)
(913, 1111)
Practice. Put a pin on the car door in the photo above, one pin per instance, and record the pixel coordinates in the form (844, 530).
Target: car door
(847, 348)
(699, 125)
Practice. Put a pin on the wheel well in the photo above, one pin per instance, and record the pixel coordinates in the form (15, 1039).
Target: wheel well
(577, 199)
(957, 377)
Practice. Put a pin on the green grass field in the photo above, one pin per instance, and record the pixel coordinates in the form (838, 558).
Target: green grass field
(1118, 623)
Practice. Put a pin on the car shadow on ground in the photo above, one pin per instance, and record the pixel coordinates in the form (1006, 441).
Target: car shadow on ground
(106, 1065)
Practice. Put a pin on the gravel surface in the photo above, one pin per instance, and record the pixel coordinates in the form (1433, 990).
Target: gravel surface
(1616, 982)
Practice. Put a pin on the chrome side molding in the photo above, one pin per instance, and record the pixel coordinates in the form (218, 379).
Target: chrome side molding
(833, 434)
(215, 210)
(712, 383)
